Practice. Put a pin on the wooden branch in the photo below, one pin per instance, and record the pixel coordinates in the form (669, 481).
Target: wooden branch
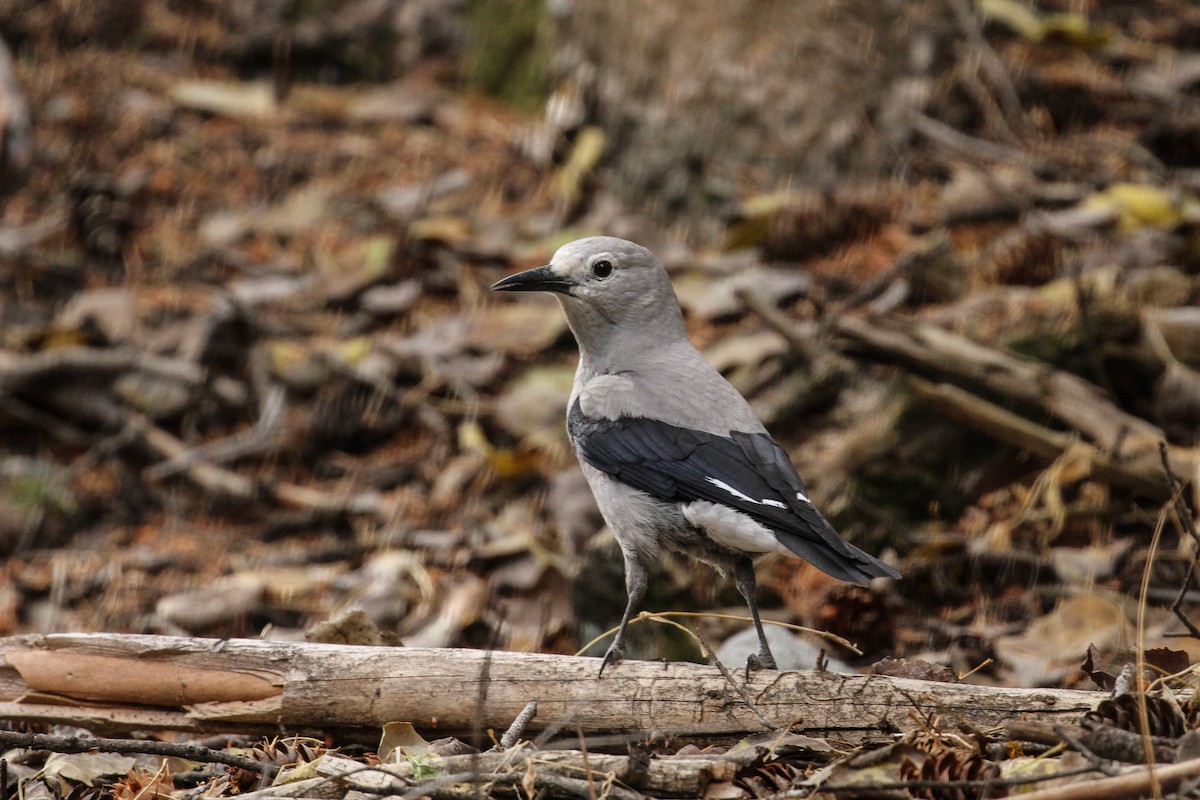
(16, 126)
(232, 485)
(1014, 429)
(20, 372)
(249, 685)
(264, 435)
(1075, 401)
(675, 776)
(210, 477)
(1123, 438)
(1135, 783)
(87, 744)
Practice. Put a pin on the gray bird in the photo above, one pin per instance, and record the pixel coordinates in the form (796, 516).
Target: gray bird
(673, 453)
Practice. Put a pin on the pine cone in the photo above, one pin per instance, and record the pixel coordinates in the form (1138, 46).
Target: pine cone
(100, 218)
(352, 416)
(952, 765)
(814, 223)
(277, 752)
(1024, 257)
(1122, 712)
(859, 614)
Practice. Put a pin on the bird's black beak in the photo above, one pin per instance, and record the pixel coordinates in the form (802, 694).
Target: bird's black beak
(538, 279)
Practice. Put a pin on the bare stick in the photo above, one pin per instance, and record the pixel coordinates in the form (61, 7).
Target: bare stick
(1185, 519)
(48, 364)
(87, 744)
(739, 688)
(259, 438)
(515, 730)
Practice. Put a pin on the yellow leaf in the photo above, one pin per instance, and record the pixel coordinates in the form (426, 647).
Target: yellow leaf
(1075, 29)
(754, 220)
(505, 462)
(1138, 205)
(585, 154)
(352, 351)
(472, 439)
(1014, 14)
(377, 254)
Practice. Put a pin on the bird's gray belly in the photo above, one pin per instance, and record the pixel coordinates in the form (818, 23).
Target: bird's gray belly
(645, 524)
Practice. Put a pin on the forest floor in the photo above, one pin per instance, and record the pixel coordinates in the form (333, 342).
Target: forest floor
(252, 379)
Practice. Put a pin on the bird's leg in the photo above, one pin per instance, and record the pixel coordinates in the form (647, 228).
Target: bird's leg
(743, 573)
(636, 581)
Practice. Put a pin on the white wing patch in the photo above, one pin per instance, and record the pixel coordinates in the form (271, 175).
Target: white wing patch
(723, 485)
(731, 528)
(743, 496)
(800, 496)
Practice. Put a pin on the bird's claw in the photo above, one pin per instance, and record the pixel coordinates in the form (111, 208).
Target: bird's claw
(614, 654)
(763, 660)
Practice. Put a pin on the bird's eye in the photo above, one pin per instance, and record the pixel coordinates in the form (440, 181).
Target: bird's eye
(602, 269)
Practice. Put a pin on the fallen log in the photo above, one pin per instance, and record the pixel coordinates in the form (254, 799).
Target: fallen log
(111, 682)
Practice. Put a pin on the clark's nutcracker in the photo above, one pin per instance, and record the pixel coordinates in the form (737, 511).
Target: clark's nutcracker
(672, 452)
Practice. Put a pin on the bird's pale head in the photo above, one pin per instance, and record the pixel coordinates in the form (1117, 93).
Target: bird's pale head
(611, 290)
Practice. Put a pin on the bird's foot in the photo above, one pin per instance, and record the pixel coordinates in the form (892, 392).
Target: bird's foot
(764, 660)
(615, 653)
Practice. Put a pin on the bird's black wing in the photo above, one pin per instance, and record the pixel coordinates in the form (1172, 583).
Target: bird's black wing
(745, 471)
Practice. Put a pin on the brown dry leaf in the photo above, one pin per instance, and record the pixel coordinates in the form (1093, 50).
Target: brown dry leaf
(538, 618)
(866, 769)
(155, 396)
(391, 299)
(1177, 401)
(222, 601)
(321, 101)
(1168, 660)
(399, 741)
(532, 405)
(915, 668)
(301, 211)
(1094, 667)
(713, 299)
(448, 229)
(749, 349)
(522, 329)
(85, 768)
(1179, 329)
(112, 311)
(290, 586)
(387, 587)
(365, 262)
(1088, 565)
(1051, 646)
(398, 103)
(460, 606)
(352, 626)
(404, 202)
(140, 784)
(724, 790)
